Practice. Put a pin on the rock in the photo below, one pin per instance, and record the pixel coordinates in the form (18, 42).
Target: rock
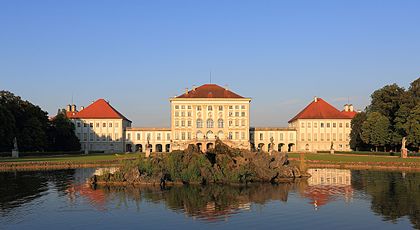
(132, 175)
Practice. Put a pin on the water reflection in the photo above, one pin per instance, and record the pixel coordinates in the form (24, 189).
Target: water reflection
(327, 185)
(391, 195)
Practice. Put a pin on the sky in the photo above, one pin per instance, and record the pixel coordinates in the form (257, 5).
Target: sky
(138, 54)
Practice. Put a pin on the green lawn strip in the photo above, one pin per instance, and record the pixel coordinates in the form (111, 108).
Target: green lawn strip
(354, 158)
(78, 159)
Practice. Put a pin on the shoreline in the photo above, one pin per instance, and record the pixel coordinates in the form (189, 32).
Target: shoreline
(62, 165)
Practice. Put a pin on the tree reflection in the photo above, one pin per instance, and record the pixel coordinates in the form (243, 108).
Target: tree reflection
(394, 194)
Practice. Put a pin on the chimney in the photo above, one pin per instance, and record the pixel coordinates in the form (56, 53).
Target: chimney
(68, 108)
(346, 108)
(73, 108)
(226, 87)
(351, 108)
(186, 91)
(194, 87)
(315, 99)
(82, 108)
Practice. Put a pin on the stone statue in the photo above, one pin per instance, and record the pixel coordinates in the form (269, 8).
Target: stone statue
(403, 142)
(148, 148)
(271, 149)
(404, 151)
(15, 150)
(332, 150)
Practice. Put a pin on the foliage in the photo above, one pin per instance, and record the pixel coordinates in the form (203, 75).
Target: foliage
(398, 109)
(61, 134)
(375, 130)
(32, 128)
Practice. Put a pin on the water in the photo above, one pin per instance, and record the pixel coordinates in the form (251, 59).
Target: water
(331, 199)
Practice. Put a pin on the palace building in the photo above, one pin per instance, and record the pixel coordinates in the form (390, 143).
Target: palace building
(206, 113)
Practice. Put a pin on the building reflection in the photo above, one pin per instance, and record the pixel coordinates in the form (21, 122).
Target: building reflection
(327, 185)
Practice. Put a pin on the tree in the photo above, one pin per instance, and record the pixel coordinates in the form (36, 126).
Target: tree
(376, 130)
(61, 134)
(356, 141)
(412, 128)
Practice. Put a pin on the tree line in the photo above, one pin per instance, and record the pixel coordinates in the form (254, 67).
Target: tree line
(393, 113)
(30, 125)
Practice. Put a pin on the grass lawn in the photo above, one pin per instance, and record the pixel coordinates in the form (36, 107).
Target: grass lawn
(91, 158)
(343, 158)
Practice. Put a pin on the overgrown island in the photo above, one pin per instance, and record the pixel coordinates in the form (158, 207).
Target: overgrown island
(220, 165)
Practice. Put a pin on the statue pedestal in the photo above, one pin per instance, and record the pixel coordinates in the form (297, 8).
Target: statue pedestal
(332, 151)
(404, 153)
(148, 151)
(15, 154)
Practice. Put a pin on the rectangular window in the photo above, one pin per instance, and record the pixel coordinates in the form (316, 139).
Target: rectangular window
(183, 136)
(189, 107)
(230, 107)
(302, 125)
(116, 125)
(182, 123)
(315, 137)
(340, 137)
(243, 114)
(236, 123)
(220, 108)
(177, 114)
(236, 114)
(176, 106)
(189, 123)
(302, 137)
(315, 124)
(183, 107)
(243, 107)
(168, 136)
(230, 123)
(117, 138)
(243, 135)
(322, 125)
(291, 136)
(230, 115)
(91, 125)
(230, 136)
(103, 137)
(128, 136)
(334, 137)
(334, 125)
(138, 136)
(182, 114)
(322, 137)
(85, 125)
(261, 136)
(309, 137)
(328, 125)
(189, 114)
(189, 136)
(159, 137)
(104, 125)
(340, 125)
(328, 137)
(97, 124)
(281, 136)
(199, 108)
(110, 125)
(236, 135)
(176, 123)
(210, 108)
(91, 137)
(347, 125)
(236, 106)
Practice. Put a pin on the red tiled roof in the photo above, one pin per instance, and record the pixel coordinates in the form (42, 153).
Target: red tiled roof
(210, 91)
(350, 114)
(99, 109)
(320, 109)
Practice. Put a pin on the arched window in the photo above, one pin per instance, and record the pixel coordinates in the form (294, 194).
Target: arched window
(220, 123)
(199, 123)
(210, 123)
